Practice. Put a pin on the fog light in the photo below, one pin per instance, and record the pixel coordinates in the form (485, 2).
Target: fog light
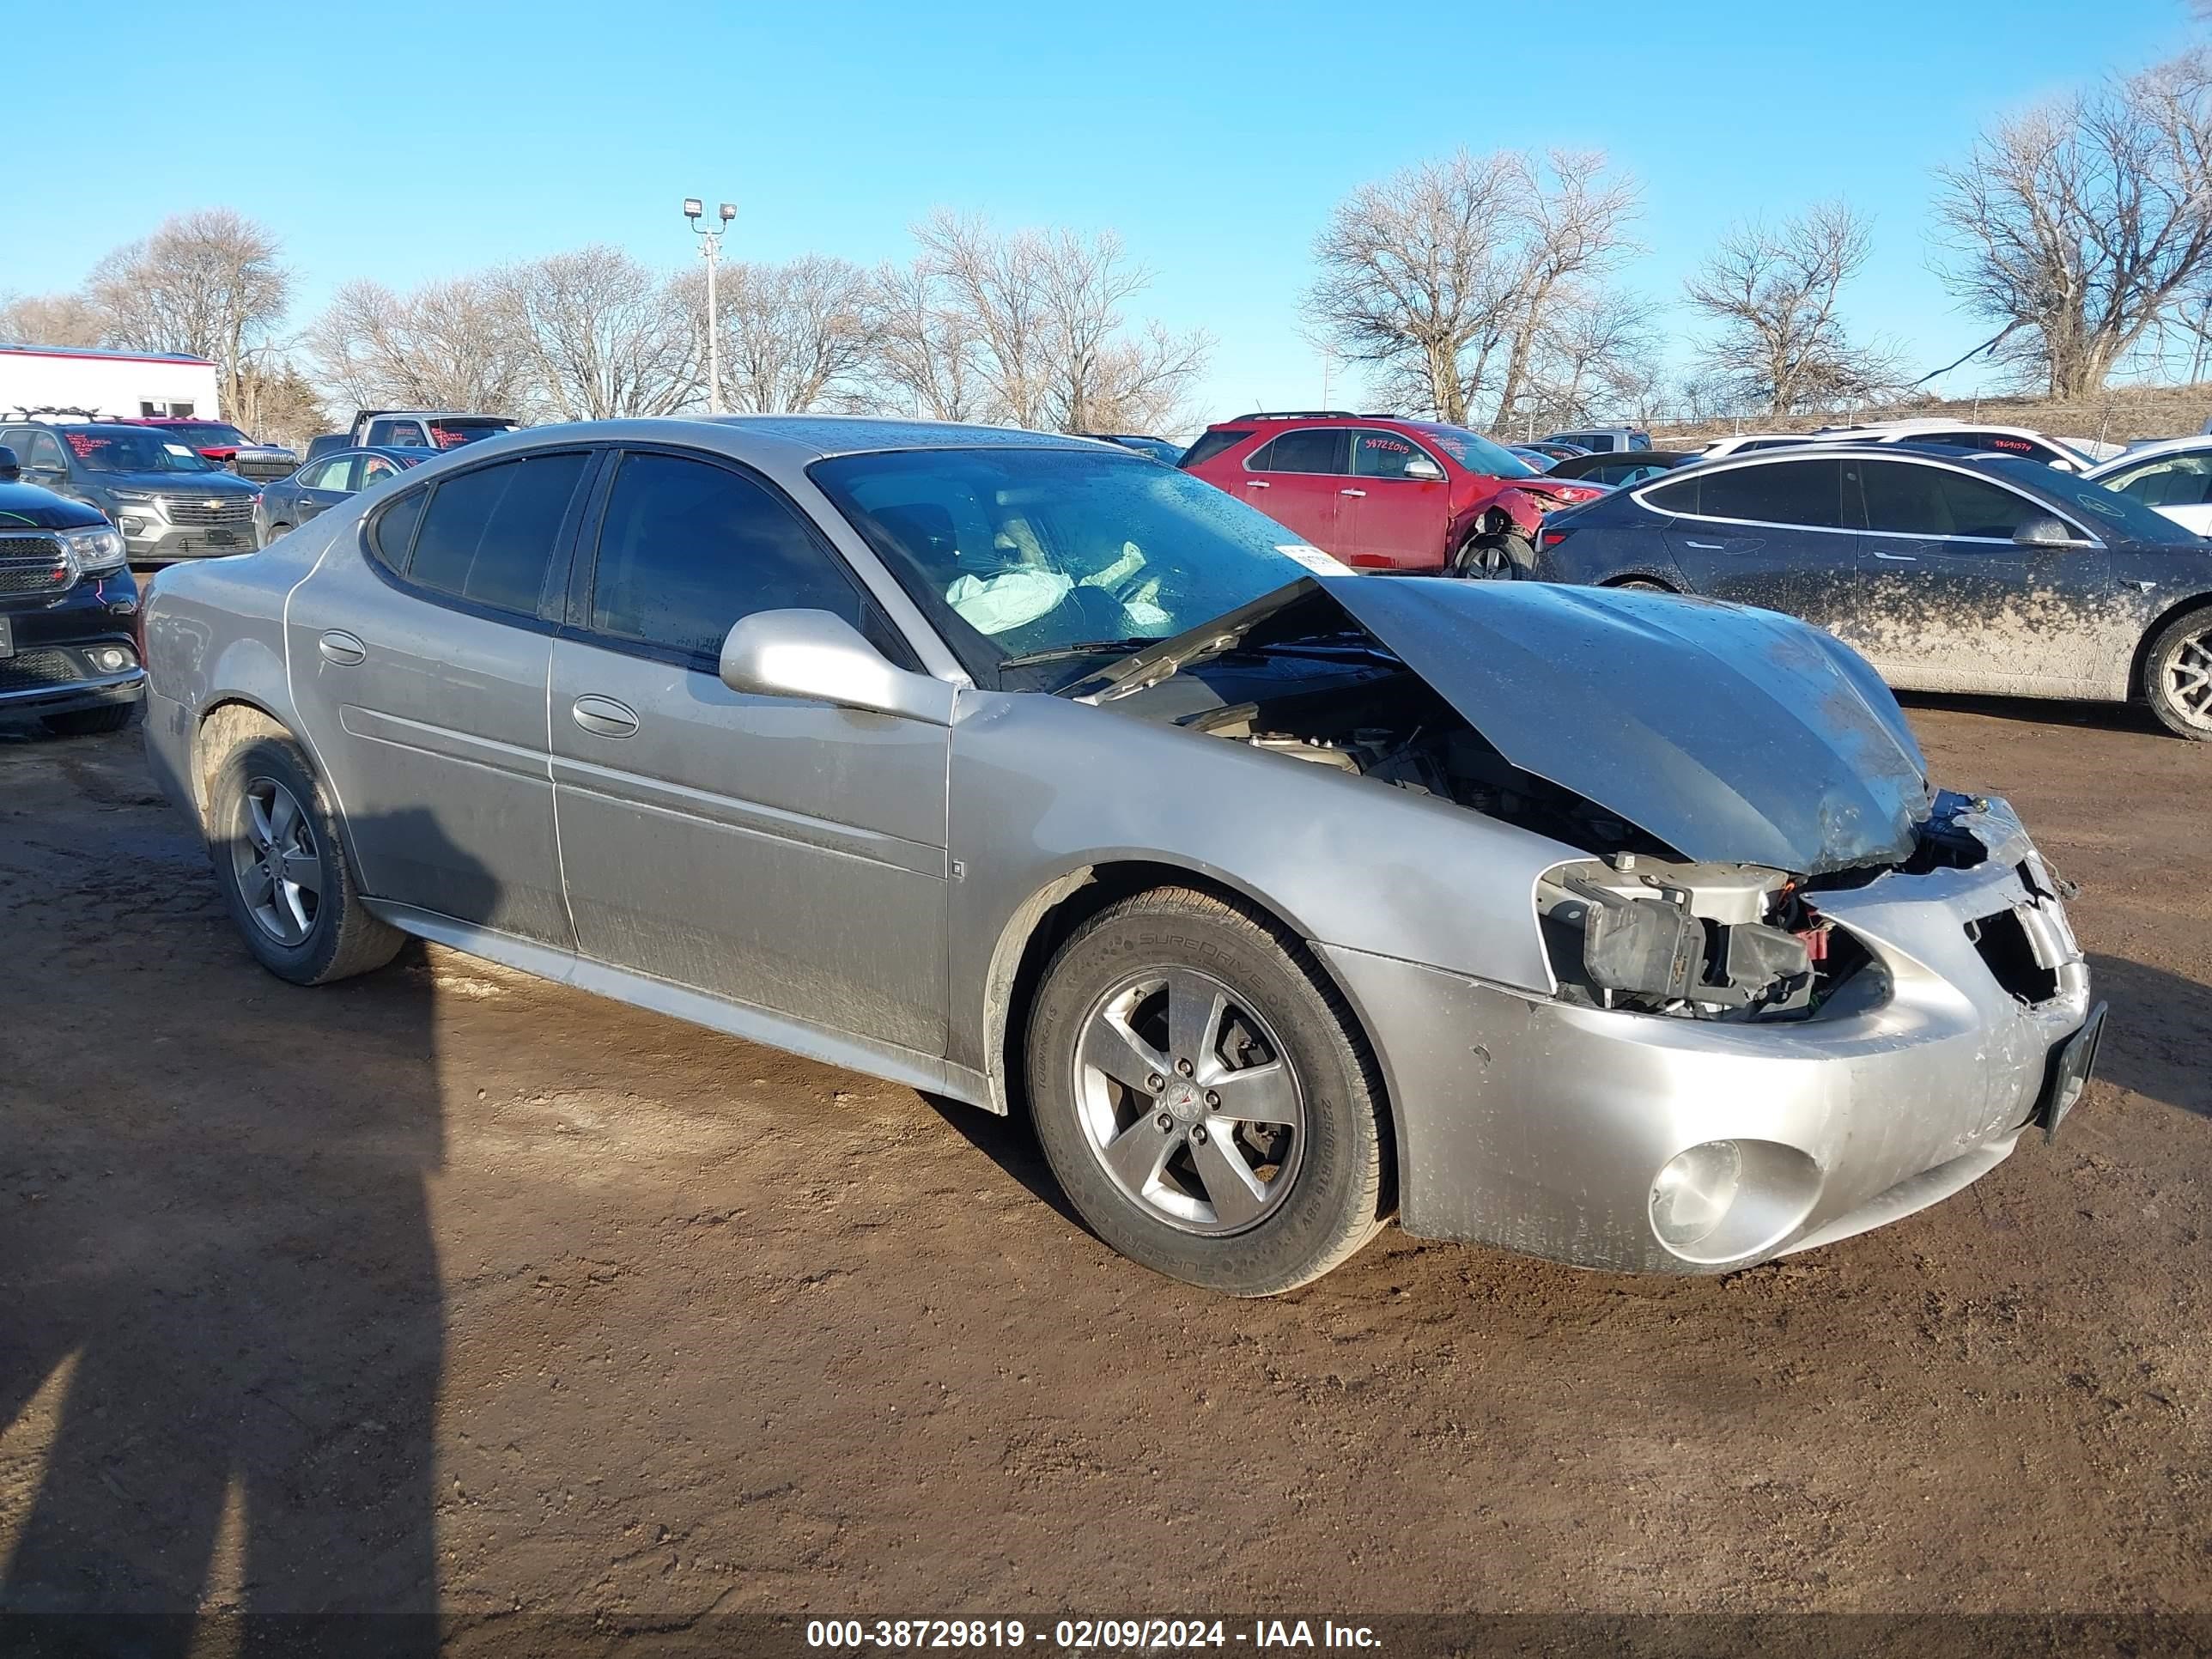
(1692, 1193)
(131, 526)
(110, 659)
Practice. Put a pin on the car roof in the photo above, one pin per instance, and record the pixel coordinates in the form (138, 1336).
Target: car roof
(2151, 451)
(791, 438)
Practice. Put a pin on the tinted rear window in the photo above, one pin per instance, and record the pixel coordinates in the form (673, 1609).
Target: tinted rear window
(394, 529)
(488, 535)
(1211, 444)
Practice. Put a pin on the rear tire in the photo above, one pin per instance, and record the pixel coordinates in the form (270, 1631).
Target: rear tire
(2177, 675)
(1502, 556)
(1638, 585)
(1175, 1032)
(282, 866)
(90, 722)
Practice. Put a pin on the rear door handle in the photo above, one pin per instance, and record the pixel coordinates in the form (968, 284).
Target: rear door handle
(342, 648)
(1352, 492)
(1899, 558)
(603, 717)
(1255, 483)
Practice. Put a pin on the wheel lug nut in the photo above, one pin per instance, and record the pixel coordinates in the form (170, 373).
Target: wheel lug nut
(1212, 1100)
(1156, 1083)
(1198, 1134)
(1183, 1067)
(1164, 1121)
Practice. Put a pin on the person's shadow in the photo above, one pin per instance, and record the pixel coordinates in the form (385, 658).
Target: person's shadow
(217, 1276)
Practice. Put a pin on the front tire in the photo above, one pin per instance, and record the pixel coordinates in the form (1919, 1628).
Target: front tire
(282, 868)
(1202, 1095)
(1498, 557)
(2177, 675)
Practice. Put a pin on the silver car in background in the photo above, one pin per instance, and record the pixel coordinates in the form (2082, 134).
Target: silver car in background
(1617, 928)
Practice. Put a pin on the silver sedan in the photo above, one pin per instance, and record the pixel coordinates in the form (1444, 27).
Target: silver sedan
(1617, 928)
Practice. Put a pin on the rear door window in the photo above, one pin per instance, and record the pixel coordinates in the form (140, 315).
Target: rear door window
(1904, 498)
(1806, 493)
(489, 536)
(1317, 449)
(393, 533)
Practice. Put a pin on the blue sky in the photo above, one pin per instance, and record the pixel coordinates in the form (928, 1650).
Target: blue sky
(416, 141)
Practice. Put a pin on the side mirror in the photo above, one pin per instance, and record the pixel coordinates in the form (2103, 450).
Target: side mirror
(2045, 531)
(9, 469)
(1426, 470)
(822, 658)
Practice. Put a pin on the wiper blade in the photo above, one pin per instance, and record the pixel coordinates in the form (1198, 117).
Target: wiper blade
(1081, 648)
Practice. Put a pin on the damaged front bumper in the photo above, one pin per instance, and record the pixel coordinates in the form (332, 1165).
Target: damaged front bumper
(1564, 1130)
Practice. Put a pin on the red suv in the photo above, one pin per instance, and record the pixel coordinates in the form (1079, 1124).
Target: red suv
(1417, 497)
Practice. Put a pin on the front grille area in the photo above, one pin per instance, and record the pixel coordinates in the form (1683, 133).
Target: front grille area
(37, 670)
(32, 565)
(227, 512)
(196, 547)
(262, 469)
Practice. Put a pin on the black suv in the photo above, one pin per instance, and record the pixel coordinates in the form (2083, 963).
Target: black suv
(169, 500)
(67, 607)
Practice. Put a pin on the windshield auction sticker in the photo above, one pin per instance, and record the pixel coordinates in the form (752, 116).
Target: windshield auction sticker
(1320, 563)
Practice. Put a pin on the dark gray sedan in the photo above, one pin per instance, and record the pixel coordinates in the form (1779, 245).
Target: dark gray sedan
(1949, 571)
(322, 483)
(1027, 772)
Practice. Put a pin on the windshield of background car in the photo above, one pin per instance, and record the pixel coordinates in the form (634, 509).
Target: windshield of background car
(451, 435)
(206, 435)
(1071, 557)
(1474, 451)
(2105, 510)
(134, 449)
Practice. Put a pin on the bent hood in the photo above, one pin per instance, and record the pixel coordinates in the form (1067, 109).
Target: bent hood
(1733, 735)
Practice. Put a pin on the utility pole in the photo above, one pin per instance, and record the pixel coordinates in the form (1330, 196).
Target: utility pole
(710, 250)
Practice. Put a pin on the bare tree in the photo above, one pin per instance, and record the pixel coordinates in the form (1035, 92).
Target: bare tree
(997, 283)
(1598, 352)
(52, 319)
(287, 409)
(1572, 221)
(926, 347)
(448, 345)
(1414, 271)
(1442, 278)
(604, 336)
(210, 283)
(1040, 312)
(1773, 291)
(794, 337)
(2076, 226)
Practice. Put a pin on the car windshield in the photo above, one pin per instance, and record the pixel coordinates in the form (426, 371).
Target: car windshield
(1474, 451)
(206, 434)
(133, 449)
(1037, 565)
(2108, 512)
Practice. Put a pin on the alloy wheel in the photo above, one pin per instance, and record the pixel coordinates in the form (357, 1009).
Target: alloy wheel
(279, 869)
(2188, 675)
(1189, 1102)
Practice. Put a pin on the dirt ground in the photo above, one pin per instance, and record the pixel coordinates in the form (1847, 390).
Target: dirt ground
(448, 1289)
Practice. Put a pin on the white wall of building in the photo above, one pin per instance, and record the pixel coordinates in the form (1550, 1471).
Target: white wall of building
(106, 383)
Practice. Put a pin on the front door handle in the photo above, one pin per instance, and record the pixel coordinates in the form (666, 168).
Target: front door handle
(1255, 483)
(1352, 492)
(1899, 558)
(341, 648)
(603, 717)
(1704, 547)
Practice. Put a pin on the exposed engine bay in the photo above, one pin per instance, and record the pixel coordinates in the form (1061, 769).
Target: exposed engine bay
(1637, 926)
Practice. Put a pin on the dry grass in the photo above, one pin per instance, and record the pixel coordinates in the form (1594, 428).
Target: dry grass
(2117, 416)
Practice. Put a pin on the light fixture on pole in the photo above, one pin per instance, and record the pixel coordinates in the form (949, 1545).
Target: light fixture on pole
(710, 250)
